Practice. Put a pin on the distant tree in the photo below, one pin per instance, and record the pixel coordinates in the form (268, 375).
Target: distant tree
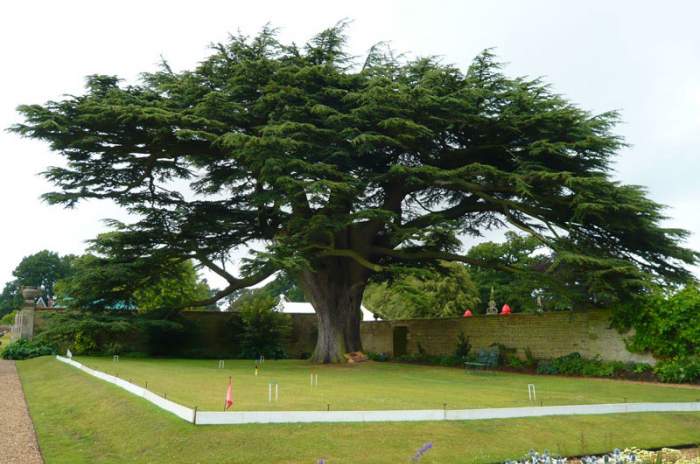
(102, 281)
(10, 298)
(174, 291)
(42, 270)
(518, 290)
(341, 171)
(558, 283)
(98, 283)
(285, 285)
(446, 292)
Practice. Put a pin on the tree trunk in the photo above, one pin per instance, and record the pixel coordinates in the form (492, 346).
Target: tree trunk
(335, 291)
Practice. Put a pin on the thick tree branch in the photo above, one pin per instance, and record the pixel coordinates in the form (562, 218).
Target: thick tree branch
(216, 269)
(466, 206)
(348, 253)
(235, 284)
(426, 255)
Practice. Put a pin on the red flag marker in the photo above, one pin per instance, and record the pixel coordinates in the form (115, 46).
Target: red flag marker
(229, 395)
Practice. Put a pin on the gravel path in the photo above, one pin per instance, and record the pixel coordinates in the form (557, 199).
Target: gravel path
(17, 439)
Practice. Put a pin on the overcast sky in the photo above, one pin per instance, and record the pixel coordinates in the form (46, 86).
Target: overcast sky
(641, 58)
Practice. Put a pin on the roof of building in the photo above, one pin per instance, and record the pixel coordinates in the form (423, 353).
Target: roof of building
(292, 307)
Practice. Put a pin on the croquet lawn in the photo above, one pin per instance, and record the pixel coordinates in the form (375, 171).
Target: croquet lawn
(368, 386)
(81, 419)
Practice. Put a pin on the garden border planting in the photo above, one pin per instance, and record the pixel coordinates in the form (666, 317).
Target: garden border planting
(280, 417)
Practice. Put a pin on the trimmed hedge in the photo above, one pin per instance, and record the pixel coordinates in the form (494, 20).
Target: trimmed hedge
(679, 370)
(25, 349)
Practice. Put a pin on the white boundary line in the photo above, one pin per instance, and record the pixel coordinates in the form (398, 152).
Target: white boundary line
(180, 411)
(280, 417)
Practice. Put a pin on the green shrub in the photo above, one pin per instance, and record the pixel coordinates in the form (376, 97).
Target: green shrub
(114, 332)
(530, 358)
(9, 318)
(679, 370)
(598, 368)
(86, 343)
(114, 348)
(379, 357)
(570, 364)
(575, 364)
(639, 368)
(451, 361)
(547, 367)
(516, 363)
(463, 346)
(665, 324)
(85, 333)
(264, 329)
(25, 349)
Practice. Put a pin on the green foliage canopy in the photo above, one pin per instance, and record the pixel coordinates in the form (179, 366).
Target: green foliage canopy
(283, 285)
(173, 291)
(447, 292)
(41, 270)
(666, 324)
(104, 281)
(343, 170)
(264, 330)
(10, 298)
(515, 289)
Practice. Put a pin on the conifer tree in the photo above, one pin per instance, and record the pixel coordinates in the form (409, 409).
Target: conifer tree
(339, 171)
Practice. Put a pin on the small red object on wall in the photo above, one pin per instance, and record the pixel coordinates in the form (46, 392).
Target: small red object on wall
(468, 313)
(505, 309)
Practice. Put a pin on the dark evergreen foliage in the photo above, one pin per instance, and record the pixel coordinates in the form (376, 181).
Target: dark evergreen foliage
(342, 172)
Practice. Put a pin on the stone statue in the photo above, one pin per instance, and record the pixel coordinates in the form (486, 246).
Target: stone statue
(492, 309)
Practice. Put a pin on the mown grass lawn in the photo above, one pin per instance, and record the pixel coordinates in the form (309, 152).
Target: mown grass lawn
(368, 385)
(80, 419)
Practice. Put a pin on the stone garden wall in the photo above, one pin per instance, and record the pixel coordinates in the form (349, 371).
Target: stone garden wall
(547, 335)
(213, 334)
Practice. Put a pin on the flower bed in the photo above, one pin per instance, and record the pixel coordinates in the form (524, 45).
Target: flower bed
(663, 456)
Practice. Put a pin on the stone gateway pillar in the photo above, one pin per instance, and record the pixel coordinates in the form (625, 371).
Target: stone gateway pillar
(24, 321)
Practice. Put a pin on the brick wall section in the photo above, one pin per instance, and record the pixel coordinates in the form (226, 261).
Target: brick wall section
(547, 335)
